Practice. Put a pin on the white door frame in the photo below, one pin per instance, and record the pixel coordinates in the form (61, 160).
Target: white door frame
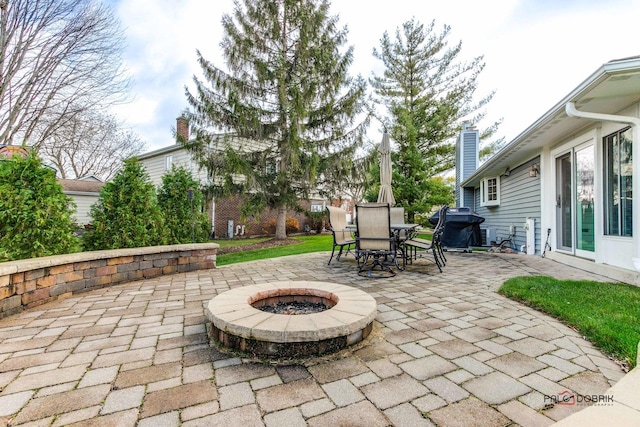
(570, 150)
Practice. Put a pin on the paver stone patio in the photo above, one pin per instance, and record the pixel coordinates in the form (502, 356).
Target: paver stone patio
(445, 350)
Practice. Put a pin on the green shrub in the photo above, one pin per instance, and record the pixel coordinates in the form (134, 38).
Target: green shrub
(183, 216)
(36, 217)
(317, 220)
(127, 214)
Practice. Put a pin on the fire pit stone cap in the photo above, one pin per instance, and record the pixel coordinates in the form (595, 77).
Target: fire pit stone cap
(232, 312)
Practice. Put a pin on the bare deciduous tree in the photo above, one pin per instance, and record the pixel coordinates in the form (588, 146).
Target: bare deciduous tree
(57, 58)
(90, 143)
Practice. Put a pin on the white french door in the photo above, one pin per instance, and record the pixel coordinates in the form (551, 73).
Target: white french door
(575, 198)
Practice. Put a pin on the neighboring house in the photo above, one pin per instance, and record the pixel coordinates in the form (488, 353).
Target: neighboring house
(568, 178)
(85, 192)
(226, 218)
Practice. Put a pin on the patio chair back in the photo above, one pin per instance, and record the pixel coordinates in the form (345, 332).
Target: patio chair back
(439, 231)
(341, 236)
(442, 221)
(338, 221)
(374, 228)
(397, 215)
(435, 246)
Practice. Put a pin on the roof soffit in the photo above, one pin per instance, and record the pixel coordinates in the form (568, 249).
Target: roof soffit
(611, 89)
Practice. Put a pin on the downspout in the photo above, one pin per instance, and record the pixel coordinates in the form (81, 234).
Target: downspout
(571, 111)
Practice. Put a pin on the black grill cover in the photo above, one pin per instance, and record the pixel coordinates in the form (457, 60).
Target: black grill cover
(462, 229)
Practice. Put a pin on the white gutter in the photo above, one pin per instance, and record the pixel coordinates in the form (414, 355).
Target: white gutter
(571, 110)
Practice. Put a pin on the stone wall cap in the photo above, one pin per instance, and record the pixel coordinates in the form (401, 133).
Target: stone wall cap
(18, 266)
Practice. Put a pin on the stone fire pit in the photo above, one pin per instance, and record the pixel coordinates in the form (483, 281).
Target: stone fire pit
(238, 324)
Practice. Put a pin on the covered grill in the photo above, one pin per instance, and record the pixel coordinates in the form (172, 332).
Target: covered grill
(462, 228)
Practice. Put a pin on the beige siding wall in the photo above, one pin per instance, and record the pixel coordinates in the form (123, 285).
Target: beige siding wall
(156, 166)
(83, 207)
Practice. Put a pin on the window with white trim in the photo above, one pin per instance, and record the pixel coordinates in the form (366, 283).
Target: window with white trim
(168, 161)
(317, 207)
(490, 191)
(271, 165)
(618, 189)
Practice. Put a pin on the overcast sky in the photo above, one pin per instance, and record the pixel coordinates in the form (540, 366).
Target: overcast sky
(536, 51)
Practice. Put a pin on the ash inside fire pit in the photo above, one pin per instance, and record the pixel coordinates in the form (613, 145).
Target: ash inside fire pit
(293, 301)
(295, 307)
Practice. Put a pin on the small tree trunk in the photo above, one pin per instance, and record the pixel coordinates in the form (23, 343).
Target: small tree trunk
(281, 223)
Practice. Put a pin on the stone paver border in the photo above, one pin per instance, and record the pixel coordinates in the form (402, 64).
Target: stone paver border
(238, 324)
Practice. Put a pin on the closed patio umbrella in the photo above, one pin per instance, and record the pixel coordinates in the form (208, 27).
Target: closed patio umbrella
(386, 193)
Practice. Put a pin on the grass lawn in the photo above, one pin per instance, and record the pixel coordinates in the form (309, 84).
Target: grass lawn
(607, 314)
(228, 243)
(312, 243)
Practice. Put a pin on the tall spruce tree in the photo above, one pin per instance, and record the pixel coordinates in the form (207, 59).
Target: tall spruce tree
(286, 106)
(428, 92)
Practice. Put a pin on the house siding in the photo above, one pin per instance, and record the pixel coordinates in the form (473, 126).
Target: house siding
(83, 207)
(468, 198)
(470, 153)
(520, 198)
(467, 161)
(84, 193)
(156, 165)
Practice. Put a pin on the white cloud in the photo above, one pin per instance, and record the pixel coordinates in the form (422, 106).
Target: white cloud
(535, 51)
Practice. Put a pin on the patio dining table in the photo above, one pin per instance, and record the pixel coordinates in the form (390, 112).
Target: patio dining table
(400, 231)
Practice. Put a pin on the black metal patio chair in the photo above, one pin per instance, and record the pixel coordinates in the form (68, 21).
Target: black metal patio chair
(413, 245)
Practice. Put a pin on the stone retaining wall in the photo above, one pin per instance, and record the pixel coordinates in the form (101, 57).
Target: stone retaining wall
(31, 282)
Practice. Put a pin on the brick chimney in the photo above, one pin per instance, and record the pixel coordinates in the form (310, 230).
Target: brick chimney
(182, 128)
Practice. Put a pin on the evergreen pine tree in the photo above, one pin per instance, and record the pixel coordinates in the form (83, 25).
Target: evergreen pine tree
(36, 217)
(127, 214)
(410, 180)
(286, 105)
(181, 202)
(427, 92)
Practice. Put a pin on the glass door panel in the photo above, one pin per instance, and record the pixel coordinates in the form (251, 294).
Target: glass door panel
(626, 178)
(564, 213)
(585, 236)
